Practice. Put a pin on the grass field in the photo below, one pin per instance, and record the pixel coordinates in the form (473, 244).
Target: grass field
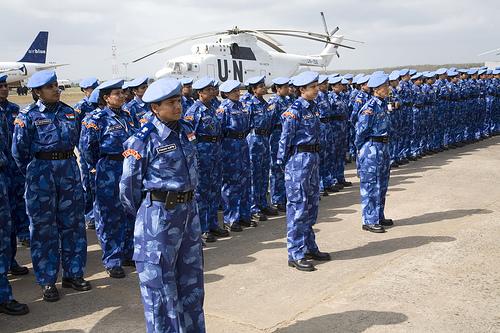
(69, 96)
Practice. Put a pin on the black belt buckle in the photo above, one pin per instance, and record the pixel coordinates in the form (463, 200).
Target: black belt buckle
(175, 198)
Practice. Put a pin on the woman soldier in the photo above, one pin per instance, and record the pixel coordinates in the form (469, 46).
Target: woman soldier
(101, 144)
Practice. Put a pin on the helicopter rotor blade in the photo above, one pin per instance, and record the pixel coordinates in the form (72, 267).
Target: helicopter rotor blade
(312, 34)
(488, 52)
(324, 24)
(334, 31)
(310, 38)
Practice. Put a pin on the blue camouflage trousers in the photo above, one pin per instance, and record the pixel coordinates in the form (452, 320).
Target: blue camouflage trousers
(209, 185)
(170, 267)
(5, 235)
(54, 203)
(327, 151)
(260, 160)
(114, 227)
(277, 178)
(374, 172)
(20, 221)
(235, 180)
(416, 132)
(302, 192)
(88, 183)
(339, 129)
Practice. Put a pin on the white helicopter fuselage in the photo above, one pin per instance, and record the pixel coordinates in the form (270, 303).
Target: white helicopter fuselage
(239, 57)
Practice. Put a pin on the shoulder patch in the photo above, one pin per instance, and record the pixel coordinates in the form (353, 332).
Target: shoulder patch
(132, 152)
(27, 108)
(288, 114)
(220, 111)
(92, 126)
(143, 120)
(145, 130)
(19, 122)
(188, 118)
(367, 112)
(98, 114)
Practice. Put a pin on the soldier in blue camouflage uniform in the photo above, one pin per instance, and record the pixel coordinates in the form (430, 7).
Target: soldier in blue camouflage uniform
(406, 114)
(15, 184)
(101, 144)
(429, 107)
(45, 135)
(299, 155)
(7, 303)
(187, 99)
(372, 138)
(442, 109)
(258, 142)
(393, 107)
(136, 107)
(326, 153)
(83, 108)
(278, 104)
(235, 123)
(457, 101)
(157, 185)
(202, 116)
(495, 112)
(417, 117)
(339, 116)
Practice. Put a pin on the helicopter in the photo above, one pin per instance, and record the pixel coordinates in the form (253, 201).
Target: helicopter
(237, 55)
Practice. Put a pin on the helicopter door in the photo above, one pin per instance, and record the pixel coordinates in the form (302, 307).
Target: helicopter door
(210, 70)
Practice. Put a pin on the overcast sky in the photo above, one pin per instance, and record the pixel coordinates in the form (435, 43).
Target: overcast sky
(395, 32)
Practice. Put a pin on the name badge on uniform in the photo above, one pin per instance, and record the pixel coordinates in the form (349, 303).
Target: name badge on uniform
(308, 116)
(115, 128)
(42, 122)
(166, 149)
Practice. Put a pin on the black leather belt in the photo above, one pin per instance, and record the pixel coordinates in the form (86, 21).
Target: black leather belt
(326, 120)
(418, 105)
(307, 149)
(339, 117)
(114, 157)
(259, 131)
(208, 138)
(236, 135)
(54, 155)
(171, 199)
(382, 139)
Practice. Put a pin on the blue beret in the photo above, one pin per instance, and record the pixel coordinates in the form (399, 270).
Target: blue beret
(484, 67)
(111, 84)
(305, 78)
(344, 81)
(471, 71)
(42, 78)
(291, 80)
(454, 69)
(90, 82)
(441, 71)
(452, 73)
(404, 72)
(334, 79)
(230, 85)
(412, 72)
(481, 71)
(394, 76)
(496, 72)
(377, 80)
(3, 78)
(94, 96)
(334, 75)
(186, 81)
(378, 72)
(255, 80)
(138, 82)
(357, 77)
(348, 76)
(489, 71)
(322, 79)
(364, 79)
(416, 76)
(202, 83)
(281, 80)
(463, 71)
(429, 75)
(161, 90)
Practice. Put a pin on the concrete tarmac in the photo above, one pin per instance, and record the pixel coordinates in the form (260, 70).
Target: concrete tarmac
(436, 270)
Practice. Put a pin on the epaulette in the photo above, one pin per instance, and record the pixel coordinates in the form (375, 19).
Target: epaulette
(64, 104)
(98, 114)
(28, 107)
(145, 130)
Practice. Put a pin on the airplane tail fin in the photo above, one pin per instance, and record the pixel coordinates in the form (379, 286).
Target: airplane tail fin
(37, 52)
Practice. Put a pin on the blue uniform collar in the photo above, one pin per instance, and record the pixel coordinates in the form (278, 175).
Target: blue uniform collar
(42, 107)
(163, 130)
(305, 103)
(139, 101)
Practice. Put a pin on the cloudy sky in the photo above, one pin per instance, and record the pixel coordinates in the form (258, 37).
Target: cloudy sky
(395, 32)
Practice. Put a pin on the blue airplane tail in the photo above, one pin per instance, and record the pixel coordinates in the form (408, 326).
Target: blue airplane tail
(37, 52)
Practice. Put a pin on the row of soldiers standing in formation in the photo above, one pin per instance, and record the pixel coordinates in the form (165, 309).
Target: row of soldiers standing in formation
(243, 132)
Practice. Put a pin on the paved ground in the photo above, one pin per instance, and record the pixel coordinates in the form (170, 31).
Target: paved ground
(437, 270)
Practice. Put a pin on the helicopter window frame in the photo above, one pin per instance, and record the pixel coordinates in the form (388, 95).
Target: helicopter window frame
(241, 52)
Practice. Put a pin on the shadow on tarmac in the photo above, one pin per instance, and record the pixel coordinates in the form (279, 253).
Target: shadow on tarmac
(347, 322)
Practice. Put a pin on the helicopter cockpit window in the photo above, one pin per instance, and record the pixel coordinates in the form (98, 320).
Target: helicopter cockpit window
(192, 67)
(242, 52)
